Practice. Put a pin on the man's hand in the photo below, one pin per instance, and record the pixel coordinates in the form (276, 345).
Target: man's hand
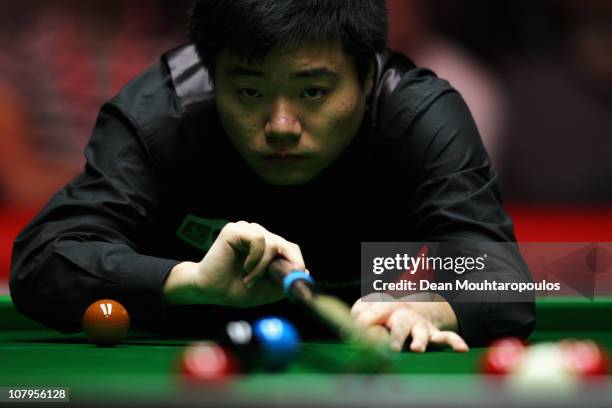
(233, 271)
(432, 322)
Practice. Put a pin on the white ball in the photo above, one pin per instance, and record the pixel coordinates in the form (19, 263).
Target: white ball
(543, 373)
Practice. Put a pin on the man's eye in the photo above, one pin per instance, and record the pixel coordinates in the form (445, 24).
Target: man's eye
(314, 93)
(249, 93)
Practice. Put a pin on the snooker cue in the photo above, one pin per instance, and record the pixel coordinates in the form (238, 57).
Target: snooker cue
(300, 288)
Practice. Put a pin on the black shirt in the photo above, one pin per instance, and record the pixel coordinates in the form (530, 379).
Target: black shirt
(416, 171)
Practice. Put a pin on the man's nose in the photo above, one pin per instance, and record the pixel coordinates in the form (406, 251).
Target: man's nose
(283, 127)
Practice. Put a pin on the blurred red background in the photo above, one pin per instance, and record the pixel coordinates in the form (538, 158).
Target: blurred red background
(537, 76)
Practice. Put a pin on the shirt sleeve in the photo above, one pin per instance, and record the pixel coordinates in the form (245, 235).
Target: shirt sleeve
(87, 242)
(457, 200)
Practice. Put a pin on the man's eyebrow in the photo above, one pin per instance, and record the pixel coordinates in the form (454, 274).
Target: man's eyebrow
(304, 73)
(316, 72)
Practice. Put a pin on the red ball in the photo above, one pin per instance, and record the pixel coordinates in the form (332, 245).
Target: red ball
(106, 322)
(207, 362)
(503, 356)
(584, 358)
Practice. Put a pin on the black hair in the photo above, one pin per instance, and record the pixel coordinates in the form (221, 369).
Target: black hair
(252, 28)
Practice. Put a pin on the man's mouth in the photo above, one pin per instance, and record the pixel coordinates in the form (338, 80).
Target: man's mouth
(284, 159)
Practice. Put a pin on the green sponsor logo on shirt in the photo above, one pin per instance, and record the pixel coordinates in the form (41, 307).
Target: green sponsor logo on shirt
(200, 232)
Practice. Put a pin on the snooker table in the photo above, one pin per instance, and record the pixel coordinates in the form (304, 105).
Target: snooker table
(142, 370)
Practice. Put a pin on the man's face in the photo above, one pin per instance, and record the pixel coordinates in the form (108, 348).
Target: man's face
(293, 113)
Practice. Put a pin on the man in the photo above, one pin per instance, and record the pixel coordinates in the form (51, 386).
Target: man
(293, 122)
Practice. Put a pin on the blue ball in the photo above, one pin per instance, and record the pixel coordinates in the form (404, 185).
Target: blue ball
(278, 339)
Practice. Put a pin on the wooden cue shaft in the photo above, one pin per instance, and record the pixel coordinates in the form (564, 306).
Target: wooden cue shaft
(335, 313)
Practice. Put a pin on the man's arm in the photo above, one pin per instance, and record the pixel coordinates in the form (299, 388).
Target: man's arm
(456, 200)
(96, 239)
(85, 243)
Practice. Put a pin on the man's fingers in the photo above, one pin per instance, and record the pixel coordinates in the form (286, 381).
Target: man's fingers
(379, 334)
(421, 332)
(291, 252)
(376, 314)
(256, 246)
(241, 235)
(404, 322)
(252, 240)
(400, 324)
(275, 246)
(359, 307)
(449, 338)
(261, 247)
(270, 252)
